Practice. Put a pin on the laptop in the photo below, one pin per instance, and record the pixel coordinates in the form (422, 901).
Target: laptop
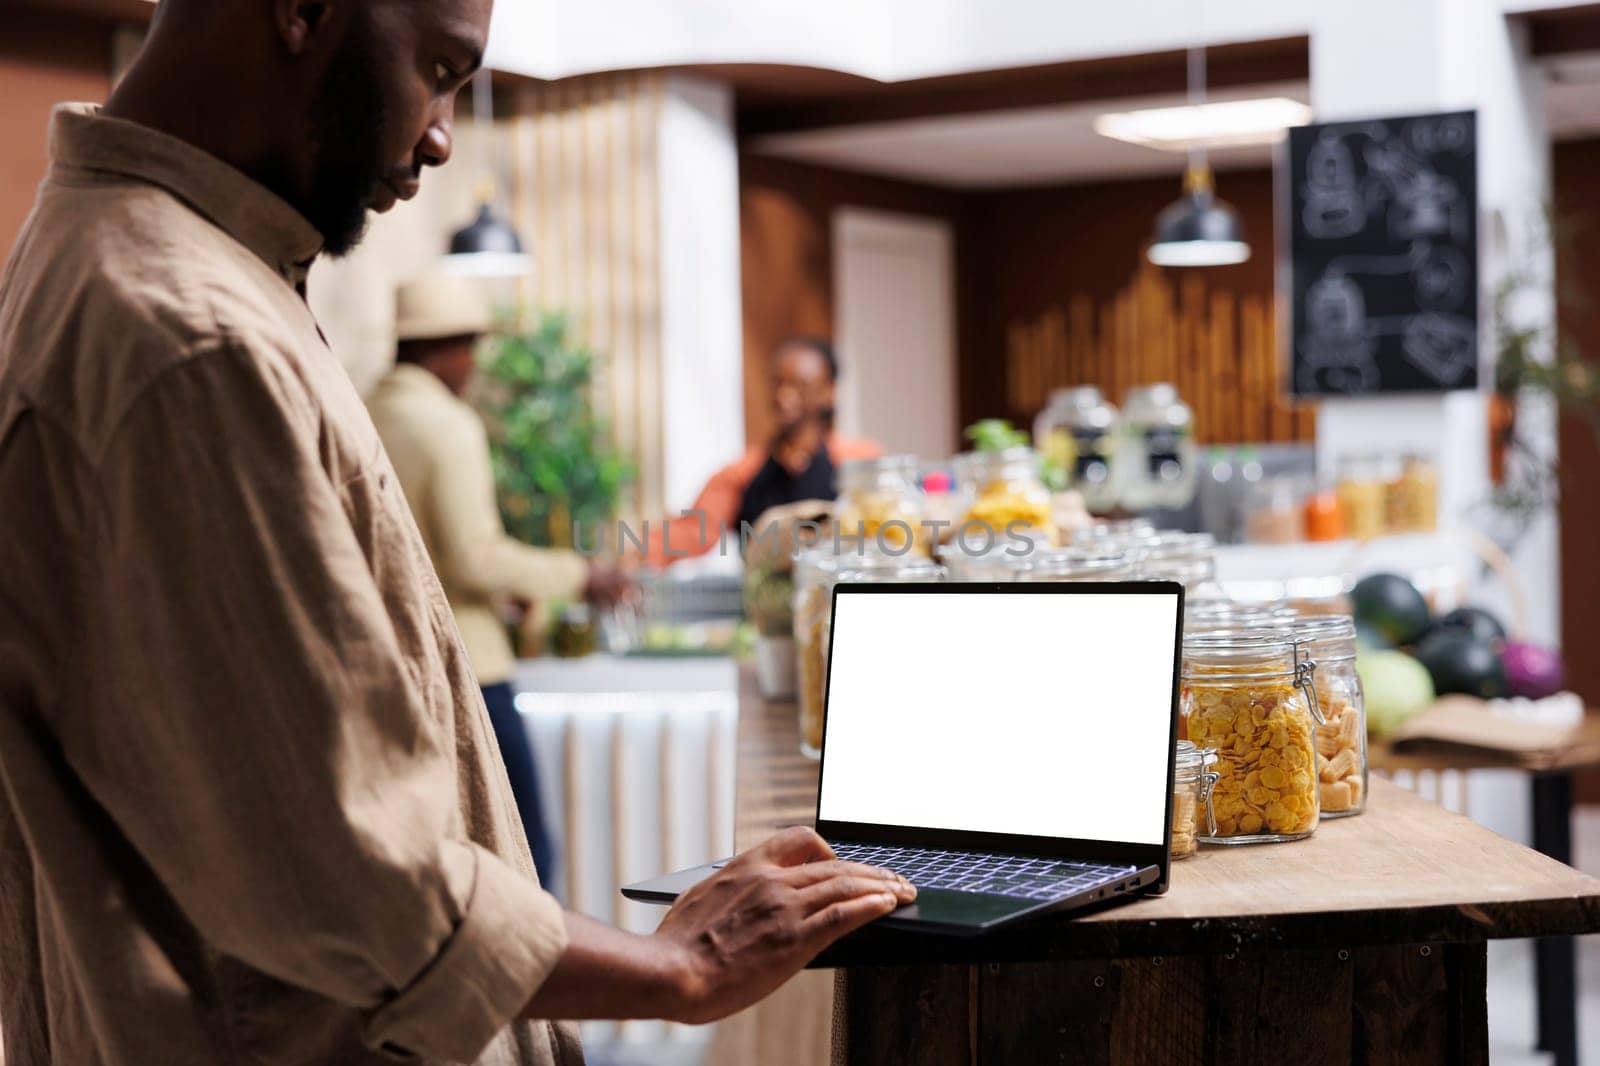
(1007, 748)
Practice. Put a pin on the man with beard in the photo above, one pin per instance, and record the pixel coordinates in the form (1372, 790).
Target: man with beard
(253, 811)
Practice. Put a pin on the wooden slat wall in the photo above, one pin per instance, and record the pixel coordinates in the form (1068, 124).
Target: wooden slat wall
(1222, 354)
(584, 189)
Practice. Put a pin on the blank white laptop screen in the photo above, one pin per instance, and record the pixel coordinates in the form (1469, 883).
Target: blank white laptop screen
(1041, 714)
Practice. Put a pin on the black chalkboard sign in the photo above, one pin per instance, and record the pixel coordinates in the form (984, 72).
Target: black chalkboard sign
(1383, 254)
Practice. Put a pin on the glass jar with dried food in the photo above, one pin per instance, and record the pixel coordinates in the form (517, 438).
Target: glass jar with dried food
(1192, 812)
(1329, 642)
(1361, 492)
(1076, 434)
(1412, 496)
(1187, 558)
(814, 571)
(1156, 460)
(1324, 515)
(880, 502)
(1248, 695)
(1076, 564)
(1004, 494)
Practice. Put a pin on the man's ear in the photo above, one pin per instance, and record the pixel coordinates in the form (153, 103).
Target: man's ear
(299, 22)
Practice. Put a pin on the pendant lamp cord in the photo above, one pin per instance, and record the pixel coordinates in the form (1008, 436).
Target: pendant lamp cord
(1198, 177)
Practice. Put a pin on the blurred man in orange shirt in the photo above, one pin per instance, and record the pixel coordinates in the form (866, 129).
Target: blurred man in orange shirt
(800, 462)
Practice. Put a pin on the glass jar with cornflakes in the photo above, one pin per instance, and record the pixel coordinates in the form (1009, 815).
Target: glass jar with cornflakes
(1247, 694)
(1004, 493)
(1329, 642)
(880, 502)
(814, 571)
(1192, 813)
(1077, 564)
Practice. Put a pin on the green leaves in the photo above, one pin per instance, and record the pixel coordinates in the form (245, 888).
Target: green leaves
(554, 463)
(995, 435)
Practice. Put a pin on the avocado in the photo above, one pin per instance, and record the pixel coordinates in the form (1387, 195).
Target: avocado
(1474, 622)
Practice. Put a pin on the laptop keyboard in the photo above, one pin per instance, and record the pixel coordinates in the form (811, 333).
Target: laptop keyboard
(1016, 876)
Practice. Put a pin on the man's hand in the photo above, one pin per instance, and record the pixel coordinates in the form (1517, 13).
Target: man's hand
(728, 942)
(608, 585)
(761, 918)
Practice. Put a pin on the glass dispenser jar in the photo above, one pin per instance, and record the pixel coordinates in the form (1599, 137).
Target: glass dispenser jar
(1156, 458)
(814, 572)
(1076, 434)
(1248, 695)
(1329, 642)
(1192, 814)
(1004, 494)
(1076, 564)
(880, 501)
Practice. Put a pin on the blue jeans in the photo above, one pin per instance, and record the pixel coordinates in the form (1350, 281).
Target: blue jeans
(524, 773)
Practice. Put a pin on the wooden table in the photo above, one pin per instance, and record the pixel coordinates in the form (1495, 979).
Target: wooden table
(1550, 781)
(1365, 942)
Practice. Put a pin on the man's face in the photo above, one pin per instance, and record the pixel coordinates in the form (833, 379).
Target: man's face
(384, 106)
(802, 387)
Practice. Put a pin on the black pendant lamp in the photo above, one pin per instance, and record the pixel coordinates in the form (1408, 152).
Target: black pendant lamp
(1198, 229)
(487, 247)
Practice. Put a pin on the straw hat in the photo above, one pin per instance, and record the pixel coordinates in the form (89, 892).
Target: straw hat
(441, 305)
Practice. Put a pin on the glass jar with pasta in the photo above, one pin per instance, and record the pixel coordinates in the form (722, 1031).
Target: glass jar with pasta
(1247, 694)
(1329, 642)
(1004, 493)
(814, 571)
(880, 502)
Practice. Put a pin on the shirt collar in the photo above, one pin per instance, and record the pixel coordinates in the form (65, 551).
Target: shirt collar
(83, 138)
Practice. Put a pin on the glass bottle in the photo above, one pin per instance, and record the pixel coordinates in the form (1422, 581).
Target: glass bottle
(1076, 432)
(1248, 694)
(1156, 459)
(880, 501)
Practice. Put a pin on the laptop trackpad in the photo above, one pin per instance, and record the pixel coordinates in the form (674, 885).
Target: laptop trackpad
(970, 910)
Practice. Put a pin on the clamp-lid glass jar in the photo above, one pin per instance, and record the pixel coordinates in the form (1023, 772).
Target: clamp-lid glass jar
(1192, 814)
(1156, 462)
(1247, 694)
(1076, 433)
(814, 572)
(1329, 641)
(880, 502)
(1004, 493)
(1076, 564)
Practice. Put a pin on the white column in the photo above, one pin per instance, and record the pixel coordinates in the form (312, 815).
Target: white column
(702, 391)
(1442, 55)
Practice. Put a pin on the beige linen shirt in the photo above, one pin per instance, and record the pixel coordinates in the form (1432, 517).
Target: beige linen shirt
(440, 451)
(252, 810)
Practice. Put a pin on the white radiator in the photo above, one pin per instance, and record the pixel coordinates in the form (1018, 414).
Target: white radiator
(636, 763)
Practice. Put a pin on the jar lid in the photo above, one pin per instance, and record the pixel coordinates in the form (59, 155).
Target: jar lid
(1331, 636)
(1074, 562)
(876, 565)
(902, 465)
(1244, 654)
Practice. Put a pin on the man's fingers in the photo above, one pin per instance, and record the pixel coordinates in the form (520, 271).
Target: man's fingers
(838, 919)
(815, 897)
(812, 872)
(791, 847)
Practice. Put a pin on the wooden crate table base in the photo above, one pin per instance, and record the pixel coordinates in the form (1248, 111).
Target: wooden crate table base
(1365, 942)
